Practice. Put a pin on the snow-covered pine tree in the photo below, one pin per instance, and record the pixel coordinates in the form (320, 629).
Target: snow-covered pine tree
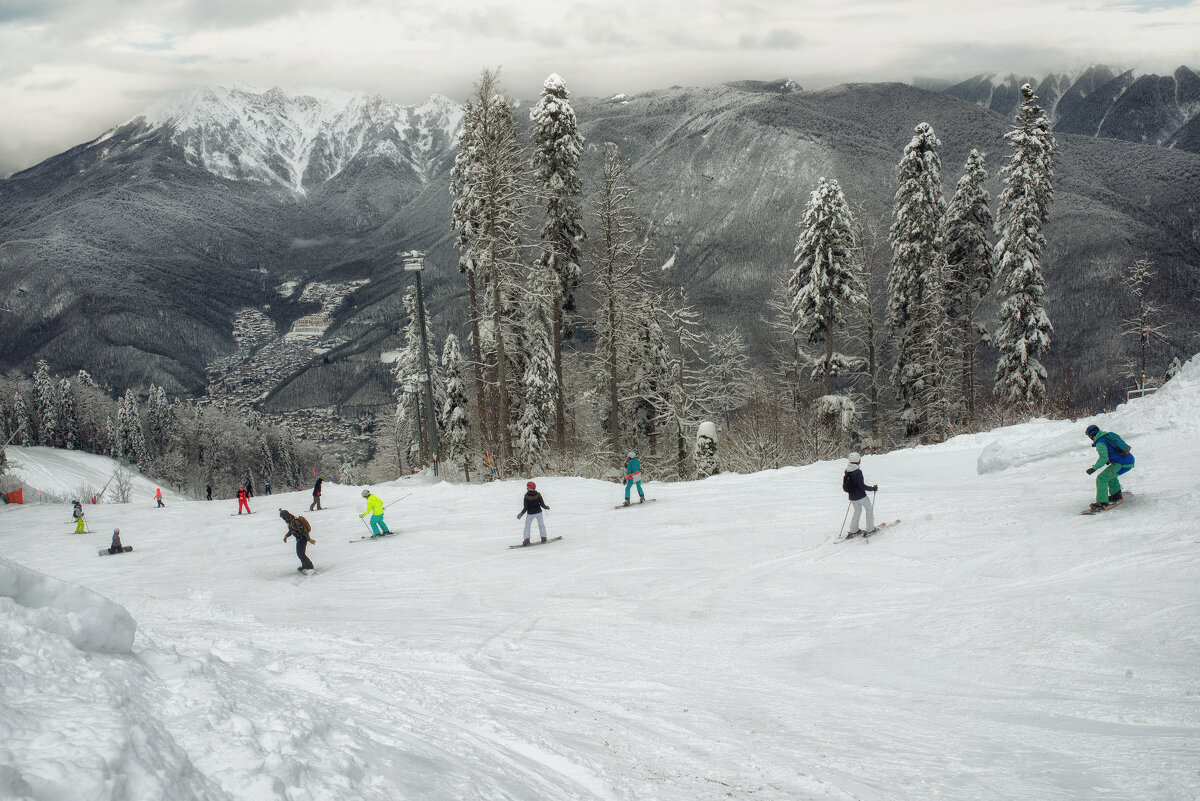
(129, 439)
(915, 281)
(539, 386)
(21, 421)
(266, 459)
(45, 406)
(970, 266)
(824, 284)
(557, 150)
(68, 424)
(492, 189)
(408, 371)
(1023, 336)
(454, 418)
(160, 422)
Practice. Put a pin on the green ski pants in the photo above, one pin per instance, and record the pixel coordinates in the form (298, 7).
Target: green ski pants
(1107, 483)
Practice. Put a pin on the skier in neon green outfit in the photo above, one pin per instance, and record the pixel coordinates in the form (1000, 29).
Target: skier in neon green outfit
(375, 508)
(1114, 460)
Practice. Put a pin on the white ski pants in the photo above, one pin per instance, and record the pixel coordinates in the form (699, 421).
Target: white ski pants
(529, 523)
(860, 506)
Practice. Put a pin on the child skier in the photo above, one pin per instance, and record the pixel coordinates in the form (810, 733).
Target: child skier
(534, 504)
(116, 546)
(375, 507)
(158, 497)
(299, 528)
(854, 486)
(1114, 460)
(633, 475)
(241, 496)
(77, 513)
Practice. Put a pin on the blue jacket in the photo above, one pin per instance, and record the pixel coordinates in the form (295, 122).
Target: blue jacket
(1108, 452)
(858, 486)
(632, 468)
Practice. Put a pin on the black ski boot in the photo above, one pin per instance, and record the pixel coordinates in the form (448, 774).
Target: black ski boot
(626, 502)
(641, 499)
(525, 543)
(1098, 507)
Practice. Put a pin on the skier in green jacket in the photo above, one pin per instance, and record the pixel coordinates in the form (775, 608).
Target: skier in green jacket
(375, 508)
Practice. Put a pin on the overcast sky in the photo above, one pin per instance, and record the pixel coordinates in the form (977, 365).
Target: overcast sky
(70, 69)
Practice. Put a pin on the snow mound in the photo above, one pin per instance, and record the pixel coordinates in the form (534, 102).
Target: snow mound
(87, 620)
(68, 474)
(1171, 409)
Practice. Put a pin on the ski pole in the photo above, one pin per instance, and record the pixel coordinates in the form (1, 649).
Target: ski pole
(843, 525)
(402, 497)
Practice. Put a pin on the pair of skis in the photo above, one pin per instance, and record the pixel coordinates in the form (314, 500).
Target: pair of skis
(866, 535)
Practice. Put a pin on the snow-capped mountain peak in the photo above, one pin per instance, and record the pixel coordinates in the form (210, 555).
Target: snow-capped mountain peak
(299, 139)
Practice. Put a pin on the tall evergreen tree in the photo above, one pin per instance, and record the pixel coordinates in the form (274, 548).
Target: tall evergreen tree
(825, 284)
(491, 185)
(915, 280)
(68, 423)
(455, 420)
(1023, 336)
(557, 150)
(970, 265)
(21, 421)
(45, 406)
(540, 389)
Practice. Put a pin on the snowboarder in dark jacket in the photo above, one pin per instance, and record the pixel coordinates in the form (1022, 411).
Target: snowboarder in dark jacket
(116, 546)
(299, 528)
(534, 504)
(856, 487)
(208, 492)
(316, 495)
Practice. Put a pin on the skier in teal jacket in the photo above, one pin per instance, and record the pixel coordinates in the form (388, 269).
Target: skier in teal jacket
(1111, 463)
(633, 475)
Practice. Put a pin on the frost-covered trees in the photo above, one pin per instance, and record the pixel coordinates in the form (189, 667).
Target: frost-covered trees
(824, 283)
(539, 387)
(970, 265)
(1023, 336)
(914, 311)
(454, 418)
(68, 423)
(45, 406)
(1142, 324)
(490, 184)
(129, 440)
(557, 149)
(22, 425)
(411, 416)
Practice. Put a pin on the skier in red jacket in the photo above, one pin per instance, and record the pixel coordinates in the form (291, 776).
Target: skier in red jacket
(241, 496)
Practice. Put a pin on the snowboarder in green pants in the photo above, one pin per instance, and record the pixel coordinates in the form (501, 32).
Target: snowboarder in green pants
(1114, 460)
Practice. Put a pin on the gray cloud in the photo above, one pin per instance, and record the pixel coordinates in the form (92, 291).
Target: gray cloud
(778, 39)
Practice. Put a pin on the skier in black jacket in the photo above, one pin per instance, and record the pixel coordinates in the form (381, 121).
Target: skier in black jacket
(534, 504)
(856, 487)
(316, 504)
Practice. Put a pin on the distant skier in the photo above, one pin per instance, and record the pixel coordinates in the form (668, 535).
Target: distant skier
(316, 495)
(77, 513)
(242, 502)
(249, 488)
(633, 475)
(299, 528)
(854, 486)
(116, 546)
(267, 488)
(375, 508)
(1114, 460)
(534, 504)
(158, 497)
(208, 492)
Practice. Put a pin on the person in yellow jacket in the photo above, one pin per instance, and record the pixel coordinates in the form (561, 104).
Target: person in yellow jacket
(375, 509)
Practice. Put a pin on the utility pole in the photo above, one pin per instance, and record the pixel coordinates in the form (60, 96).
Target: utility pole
(414, 262)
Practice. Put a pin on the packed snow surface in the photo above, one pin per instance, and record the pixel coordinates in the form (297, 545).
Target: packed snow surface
(716, 644)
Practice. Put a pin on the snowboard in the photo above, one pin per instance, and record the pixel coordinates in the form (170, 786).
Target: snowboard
(635, 503)
(105, 552)
(867, 534)
(536, 542)
(242, 513)
(373, 537)
(1109, 508)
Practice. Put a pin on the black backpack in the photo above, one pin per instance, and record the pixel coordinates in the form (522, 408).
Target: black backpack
(847, 484)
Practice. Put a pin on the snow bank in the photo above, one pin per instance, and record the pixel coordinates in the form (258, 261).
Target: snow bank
(1173, 408)
(87, 620)
(66, 474)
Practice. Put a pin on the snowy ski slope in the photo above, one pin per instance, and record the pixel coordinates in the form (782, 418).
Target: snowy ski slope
(717, 644)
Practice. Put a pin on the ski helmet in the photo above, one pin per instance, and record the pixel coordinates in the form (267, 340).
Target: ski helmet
(855, 457)
(1092, 431)
(366, 493)
(530, 485)
(632, 455)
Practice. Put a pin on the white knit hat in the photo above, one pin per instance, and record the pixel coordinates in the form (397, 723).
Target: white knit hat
(855, 457)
